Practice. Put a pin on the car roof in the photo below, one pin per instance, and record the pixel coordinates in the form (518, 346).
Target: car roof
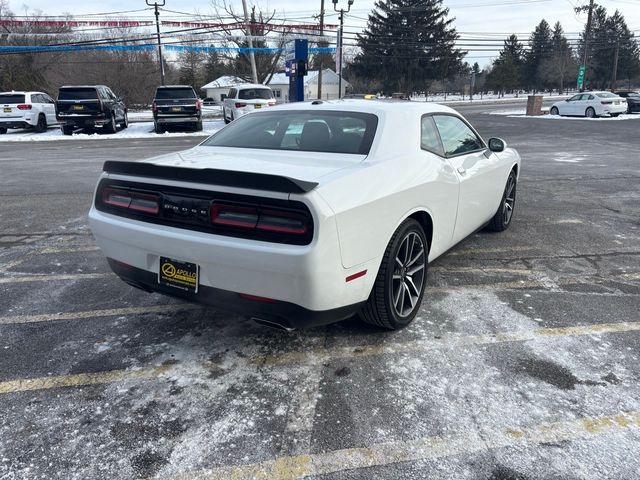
(242, 86)
(175, 86)
(83, 86)
(21, 92)
(374, 106)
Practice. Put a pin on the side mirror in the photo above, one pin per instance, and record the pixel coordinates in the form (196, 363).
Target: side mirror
(567, 100)
(497, 144)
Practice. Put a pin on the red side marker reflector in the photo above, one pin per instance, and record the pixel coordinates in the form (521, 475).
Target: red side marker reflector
(356, 275)
(255, 298)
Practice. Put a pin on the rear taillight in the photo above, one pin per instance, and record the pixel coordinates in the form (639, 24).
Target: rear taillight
(134, 201)
(272, 104)
(606, 103)
(260, 219)
(25, 107)
(198, 105)
(241, 105)
(154, 107)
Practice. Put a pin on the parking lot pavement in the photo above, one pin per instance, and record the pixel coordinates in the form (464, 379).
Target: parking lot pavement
(522, 364)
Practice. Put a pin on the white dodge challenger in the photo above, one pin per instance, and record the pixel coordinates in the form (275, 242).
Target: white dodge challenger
(306, 214)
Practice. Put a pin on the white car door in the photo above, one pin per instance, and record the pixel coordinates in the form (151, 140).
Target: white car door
(479, 170)
(570, 107)
(50, 109)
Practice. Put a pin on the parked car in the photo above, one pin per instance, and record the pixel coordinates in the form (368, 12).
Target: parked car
(26, 110)
(591, 105)
(359, 96)
(90, 106)
(176, 106)
(246, 98)
(307, 213)
(633, 100)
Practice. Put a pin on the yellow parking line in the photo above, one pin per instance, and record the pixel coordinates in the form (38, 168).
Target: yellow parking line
(53, 278)
(113, 312)
(428, 448)
(519, 271)
(471, 251)
(80, 379)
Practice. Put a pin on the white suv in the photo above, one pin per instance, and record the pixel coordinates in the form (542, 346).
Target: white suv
(26, 110)
(246, 98)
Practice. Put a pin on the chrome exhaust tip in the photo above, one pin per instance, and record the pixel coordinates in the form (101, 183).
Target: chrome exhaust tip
(273, 324)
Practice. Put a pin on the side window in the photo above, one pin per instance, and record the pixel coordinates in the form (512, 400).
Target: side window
(457, 137)
(232, 93)
(591, 97)
(575, 98)
(429, 139)
(36, 98)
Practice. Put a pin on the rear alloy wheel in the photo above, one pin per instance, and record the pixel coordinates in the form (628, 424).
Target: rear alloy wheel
(3, 130)
(41, 126)
(111, 127)
(125, 121)
(554, 111)
(502, 219)
(590, 113)
(399, 287)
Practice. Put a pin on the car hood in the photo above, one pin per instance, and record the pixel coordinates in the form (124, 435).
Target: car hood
(307, 166)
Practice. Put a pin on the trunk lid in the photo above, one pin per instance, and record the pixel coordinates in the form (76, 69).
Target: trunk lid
(9, 106)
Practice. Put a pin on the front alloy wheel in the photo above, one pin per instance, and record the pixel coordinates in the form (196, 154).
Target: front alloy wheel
(399, 286)
(502, 219)
(554, 111)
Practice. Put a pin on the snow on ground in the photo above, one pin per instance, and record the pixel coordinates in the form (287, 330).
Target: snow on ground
(135, 130)
(478, 98)
(521, 113)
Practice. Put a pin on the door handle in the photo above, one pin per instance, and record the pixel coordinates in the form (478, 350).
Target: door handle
(461, 170)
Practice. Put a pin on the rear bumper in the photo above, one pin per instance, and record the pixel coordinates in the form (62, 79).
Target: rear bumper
(173, 120)
(15, 124)
(285, 314)
(82, 122)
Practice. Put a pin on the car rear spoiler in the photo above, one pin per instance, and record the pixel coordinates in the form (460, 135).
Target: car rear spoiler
(210, 176)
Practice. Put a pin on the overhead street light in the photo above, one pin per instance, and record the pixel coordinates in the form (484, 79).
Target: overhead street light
(341, 11)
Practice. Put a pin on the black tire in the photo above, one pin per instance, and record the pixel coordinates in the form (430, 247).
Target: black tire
(198, 126)
(502, 219)
(554, 111)
(158, 128)
(590, 113)
(3, 130)
(67, 130)
(387, 305)
(125, 121)
(614, 115)
(112, 126)
(41, 126)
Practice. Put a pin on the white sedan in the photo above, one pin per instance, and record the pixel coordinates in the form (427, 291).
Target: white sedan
(305, 214)
(591, 105)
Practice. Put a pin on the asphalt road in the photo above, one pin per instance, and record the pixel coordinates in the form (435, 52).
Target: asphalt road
(523, 362)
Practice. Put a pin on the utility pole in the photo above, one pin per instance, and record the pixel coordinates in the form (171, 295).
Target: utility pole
(252, 56)
(586, 38)
(157, 12)
(321, 44)
(614, 80)
(342, 11)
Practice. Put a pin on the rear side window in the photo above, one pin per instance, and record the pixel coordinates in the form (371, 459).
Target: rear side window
(77, 94)
(255, 93)
(174, 93)
(457, 137)
(232, 93)
(429, 138)
(11, 98)
(317, 131)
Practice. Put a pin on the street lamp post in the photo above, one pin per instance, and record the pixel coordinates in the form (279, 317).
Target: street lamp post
(156, 4)
(342, 11)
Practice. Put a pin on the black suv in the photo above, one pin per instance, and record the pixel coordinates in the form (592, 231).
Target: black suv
(633, 100)
(176, 106)
(90, 106)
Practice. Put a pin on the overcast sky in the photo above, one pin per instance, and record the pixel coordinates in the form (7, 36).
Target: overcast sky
(472, 16)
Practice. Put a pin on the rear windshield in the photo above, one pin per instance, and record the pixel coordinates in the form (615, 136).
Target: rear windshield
(606, 95)
(77, 94)
(255, 93)
(172, 93)
(317, 131)
(11, 98)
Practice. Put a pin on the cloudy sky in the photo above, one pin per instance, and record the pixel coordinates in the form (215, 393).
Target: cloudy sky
(473, 17)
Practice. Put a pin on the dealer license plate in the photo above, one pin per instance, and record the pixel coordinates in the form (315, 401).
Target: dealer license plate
(177, 274)
(257, 105)
(176, 109)
(78, 107)
(7, 109)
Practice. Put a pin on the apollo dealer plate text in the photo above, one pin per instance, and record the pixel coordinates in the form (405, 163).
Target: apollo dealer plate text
(177, 274)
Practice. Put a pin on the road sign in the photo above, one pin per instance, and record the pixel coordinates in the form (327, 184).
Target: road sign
(581, 76)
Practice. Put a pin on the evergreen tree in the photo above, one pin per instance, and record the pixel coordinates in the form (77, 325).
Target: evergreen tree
(539, 49)
(561, 64)
(407, 44)
(190, 68)
(506, 72)
(213, 67)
